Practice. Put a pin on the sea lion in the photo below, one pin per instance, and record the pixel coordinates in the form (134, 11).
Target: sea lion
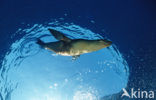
(73, 47)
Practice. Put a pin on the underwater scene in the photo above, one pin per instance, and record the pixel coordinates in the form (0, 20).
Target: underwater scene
(77, 50)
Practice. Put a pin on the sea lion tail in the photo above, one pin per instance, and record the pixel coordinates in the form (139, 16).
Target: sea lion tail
(40, 42)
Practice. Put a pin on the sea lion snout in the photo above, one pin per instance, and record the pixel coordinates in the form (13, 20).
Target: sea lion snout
(105, 42)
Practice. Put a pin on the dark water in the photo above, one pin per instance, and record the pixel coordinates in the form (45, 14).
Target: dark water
(27, 69)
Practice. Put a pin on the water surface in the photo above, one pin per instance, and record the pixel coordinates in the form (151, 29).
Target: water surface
(32, 73)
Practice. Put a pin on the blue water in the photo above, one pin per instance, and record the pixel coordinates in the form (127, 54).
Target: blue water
(29, 72)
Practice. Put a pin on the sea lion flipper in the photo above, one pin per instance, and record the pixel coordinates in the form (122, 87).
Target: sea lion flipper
(59, 36)
(40, 42)
(75, 57)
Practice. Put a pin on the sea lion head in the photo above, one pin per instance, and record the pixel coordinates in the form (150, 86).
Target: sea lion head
(104, 42)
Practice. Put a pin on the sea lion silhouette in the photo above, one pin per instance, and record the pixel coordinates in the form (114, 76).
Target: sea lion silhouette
(73, 47)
